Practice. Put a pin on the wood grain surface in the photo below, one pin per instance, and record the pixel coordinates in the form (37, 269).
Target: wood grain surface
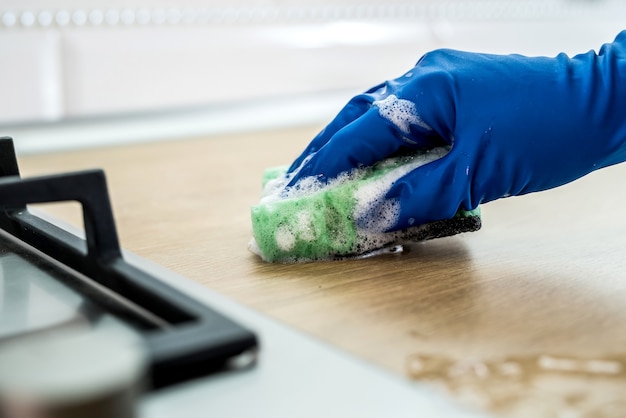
(524, 318)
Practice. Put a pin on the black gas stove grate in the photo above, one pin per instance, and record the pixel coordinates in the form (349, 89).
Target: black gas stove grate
(185, 339)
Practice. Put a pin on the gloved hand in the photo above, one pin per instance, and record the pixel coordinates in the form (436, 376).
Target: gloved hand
(515, 125)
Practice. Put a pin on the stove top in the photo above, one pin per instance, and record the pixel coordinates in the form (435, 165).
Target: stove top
(52, 280)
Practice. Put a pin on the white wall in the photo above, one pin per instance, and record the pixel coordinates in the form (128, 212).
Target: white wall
(72, 59)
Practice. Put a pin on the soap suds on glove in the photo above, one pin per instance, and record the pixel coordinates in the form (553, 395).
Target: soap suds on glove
(402, 113)
(346, 217)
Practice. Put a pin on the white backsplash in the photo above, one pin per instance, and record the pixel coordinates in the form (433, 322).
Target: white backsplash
(71, 60)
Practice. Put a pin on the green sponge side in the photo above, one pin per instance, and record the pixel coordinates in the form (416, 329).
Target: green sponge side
(322, 225)
(307, 228)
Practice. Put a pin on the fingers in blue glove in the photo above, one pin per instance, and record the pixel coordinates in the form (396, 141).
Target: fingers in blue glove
(434, 191)
(388, 126)
(354, 109)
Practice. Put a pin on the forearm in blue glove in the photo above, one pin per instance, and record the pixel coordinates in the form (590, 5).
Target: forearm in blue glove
(515, 125)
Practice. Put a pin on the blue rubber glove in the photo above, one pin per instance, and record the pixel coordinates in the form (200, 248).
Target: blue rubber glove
(515, 125)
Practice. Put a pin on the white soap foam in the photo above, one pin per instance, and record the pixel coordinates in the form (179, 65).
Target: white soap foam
(402, 113)
(305, 226)
(285, 238)
(278, 189)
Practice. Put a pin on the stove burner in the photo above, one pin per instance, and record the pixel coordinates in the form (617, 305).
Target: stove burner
(184, 338)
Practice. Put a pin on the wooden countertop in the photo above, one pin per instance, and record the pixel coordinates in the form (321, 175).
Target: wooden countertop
(524, 318)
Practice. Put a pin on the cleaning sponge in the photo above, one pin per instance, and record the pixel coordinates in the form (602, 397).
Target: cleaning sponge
(349, 216)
